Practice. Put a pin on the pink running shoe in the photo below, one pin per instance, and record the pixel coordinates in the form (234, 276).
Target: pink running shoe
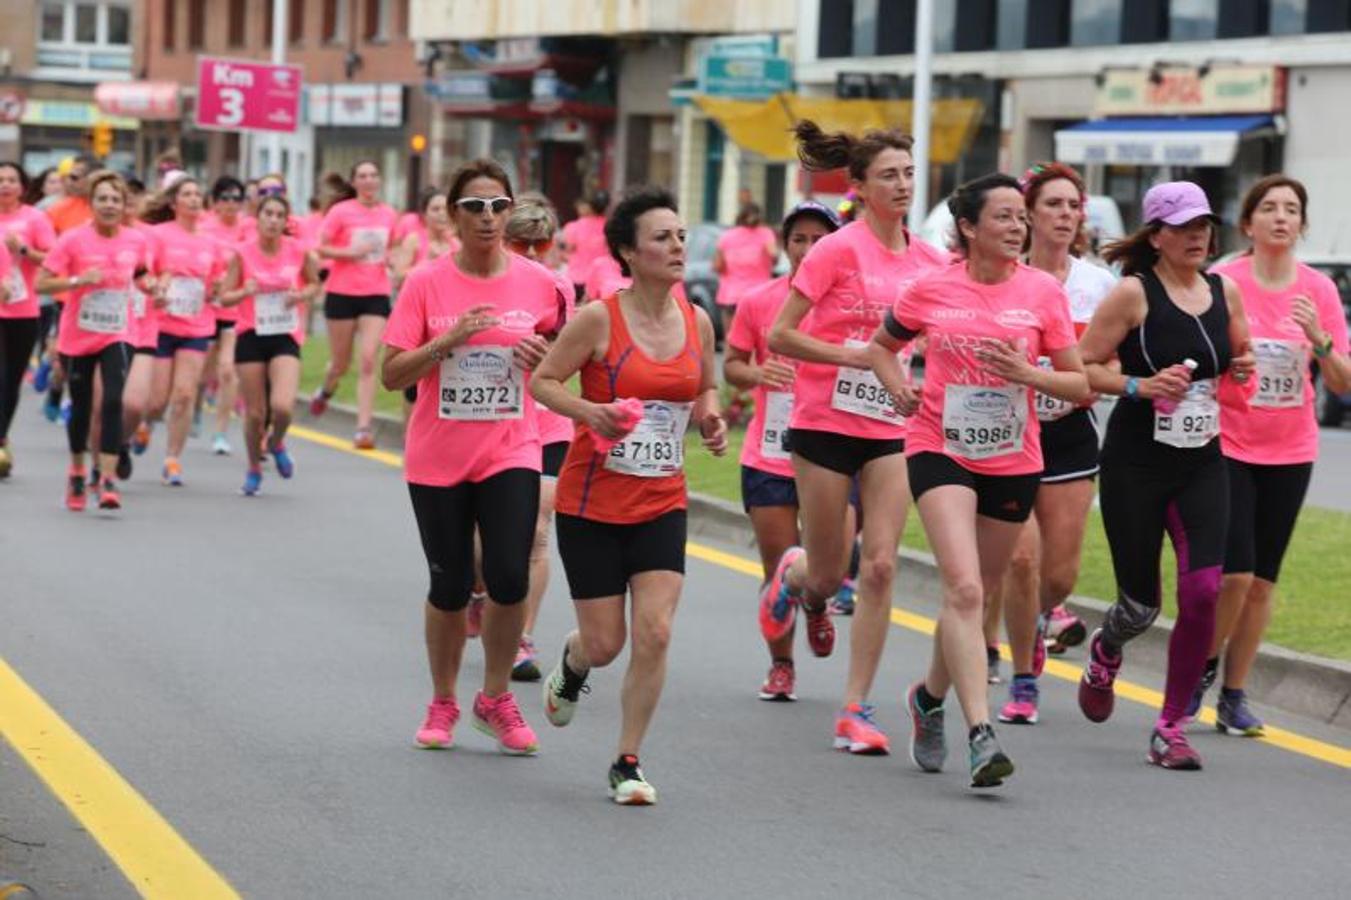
(1065, 630)
(318, 402)
(778, 607)
(1022, 706)
(820, 631)
(436, 731)
(1097, 694)
(1169, 749)
(778, 686)
(500, 718)
(473, 622)
(856, 732)
(1039, 648)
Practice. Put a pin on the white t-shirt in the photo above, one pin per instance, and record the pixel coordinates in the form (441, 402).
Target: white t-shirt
(1086, 286)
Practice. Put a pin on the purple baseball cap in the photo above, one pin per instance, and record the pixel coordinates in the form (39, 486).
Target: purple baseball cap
(810, 208)
(1177, 203)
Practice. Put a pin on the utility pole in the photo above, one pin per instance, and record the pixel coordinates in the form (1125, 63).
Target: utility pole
(279, 17)
(919, 201)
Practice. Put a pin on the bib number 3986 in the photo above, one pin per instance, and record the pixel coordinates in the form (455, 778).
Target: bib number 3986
(982, 421)
(656, 447)
(481, 384)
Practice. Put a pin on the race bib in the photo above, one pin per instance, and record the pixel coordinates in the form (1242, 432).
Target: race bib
(1050, 408)
(272, 316)
(1194, 422)
(18, 290)
(778, 410)
(481, 384)
(980, 422)
(656, 447)
(376, 238)
(1281, 366)
(185, 296)
(859, 391)
(103, 312)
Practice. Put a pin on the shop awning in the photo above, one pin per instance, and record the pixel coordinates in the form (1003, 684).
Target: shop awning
(765, 126)
(1165, 141)
(138, 99)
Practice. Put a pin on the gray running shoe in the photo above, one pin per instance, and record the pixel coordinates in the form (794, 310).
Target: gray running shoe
(989, 765)
(928, 745)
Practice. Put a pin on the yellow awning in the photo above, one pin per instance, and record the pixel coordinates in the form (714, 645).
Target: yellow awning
(765, 126)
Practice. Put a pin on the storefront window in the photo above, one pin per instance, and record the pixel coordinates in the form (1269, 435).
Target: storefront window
(119, 25)
(1095, 22)
(1012, 27)
(86, 23)
(1193, 20)
(945, 27)
(1288, 16)
(865, 28)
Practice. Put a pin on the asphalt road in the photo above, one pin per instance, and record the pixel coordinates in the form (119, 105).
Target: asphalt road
(254, 668)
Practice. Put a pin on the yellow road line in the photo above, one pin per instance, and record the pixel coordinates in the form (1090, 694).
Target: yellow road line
(150, 853)
(1277, 737)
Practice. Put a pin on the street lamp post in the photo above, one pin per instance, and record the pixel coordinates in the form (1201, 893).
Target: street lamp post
(919, 201)
(279, 17)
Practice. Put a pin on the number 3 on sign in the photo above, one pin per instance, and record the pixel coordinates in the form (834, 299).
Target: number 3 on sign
(232, 106)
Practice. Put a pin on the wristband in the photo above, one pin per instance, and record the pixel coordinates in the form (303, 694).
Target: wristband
(1323, 349)
(1132, 389)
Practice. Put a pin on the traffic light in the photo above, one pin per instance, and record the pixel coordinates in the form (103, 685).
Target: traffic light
(101, 140)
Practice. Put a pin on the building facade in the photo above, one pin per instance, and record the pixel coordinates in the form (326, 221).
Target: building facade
(54, 54)
(1133, 91)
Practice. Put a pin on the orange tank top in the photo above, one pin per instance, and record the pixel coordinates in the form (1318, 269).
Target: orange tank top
(643, 476)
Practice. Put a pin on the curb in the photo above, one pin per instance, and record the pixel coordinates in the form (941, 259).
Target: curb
(1296, 682)
(1300, 683)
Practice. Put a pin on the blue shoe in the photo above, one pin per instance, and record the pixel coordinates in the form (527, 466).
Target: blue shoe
(43, 377)
(253, 481)
(51, 410)
(286, 467)
(1233, 718)
(842, 604)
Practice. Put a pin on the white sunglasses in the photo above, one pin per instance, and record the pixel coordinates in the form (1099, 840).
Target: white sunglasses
(476, 205)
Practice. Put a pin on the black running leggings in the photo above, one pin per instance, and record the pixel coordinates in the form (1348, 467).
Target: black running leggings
(503, 507)
(1264, 503)
(16, 345)
(112, 362)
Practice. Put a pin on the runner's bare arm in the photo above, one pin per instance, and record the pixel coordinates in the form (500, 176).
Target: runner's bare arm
(785, 338)
(1121, 310)
(583, 338)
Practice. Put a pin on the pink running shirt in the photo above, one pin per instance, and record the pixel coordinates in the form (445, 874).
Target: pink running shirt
(755, 314)
(1275, 425)
(984, 423)
(476, 400)
(194, 263)
(274, 275)
(585, 238)
(230, 238)
(346, 223)
(144, 329)
(851, 279)
(91, 314)
(32, 227)
(748, 254)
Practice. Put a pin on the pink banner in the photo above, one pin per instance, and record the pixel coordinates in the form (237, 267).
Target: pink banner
(237, 95)
(138, 99)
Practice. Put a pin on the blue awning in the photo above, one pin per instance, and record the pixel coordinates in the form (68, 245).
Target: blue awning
(1157, 141)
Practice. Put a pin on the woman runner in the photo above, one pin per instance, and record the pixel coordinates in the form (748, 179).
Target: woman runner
(621, 511)
(271, 279)
(973, 448)
(768, 492)
(844, 423)
(467, 328)
(1269, 441)
(1045, 562)
(1176, 331)
(97, 264)
(27, 235)
(355, 236)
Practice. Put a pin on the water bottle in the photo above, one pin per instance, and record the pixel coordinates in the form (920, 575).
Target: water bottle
(1167, 405)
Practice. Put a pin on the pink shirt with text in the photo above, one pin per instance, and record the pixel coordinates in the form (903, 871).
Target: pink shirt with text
(116, 258)
(755, 314)
(194, 262)
(442, 452)
(274, 274)
(1275, 424)
(347, 225)
(851, 279)
(34, 229)
(961, 401)
(748, 255)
